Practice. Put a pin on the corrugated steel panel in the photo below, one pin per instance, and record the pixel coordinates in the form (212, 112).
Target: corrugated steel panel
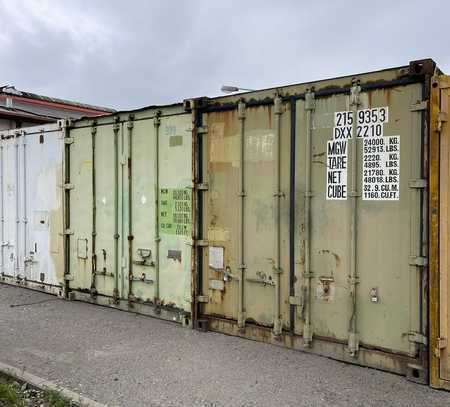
(31, 207)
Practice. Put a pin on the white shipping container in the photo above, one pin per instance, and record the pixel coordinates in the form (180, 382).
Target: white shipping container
(31, 213)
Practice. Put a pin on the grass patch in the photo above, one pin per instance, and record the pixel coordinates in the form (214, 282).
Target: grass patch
(54, 399)
(10, 396)
(13, 395)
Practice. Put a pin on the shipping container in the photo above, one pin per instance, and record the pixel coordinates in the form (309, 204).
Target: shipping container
(31, 212)
(313, 221)
(129, 200)
(311, 216)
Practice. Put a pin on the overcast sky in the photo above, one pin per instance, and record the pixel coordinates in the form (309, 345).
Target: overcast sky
(126, 54)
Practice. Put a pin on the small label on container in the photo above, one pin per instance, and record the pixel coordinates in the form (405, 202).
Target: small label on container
(215, 255)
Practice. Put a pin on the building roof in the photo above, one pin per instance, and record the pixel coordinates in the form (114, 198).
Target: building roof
(11, 91)
(14, 113)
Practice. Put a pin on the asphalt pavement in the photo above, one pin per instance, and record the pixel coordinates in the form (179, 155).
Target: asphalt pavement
(123, 359)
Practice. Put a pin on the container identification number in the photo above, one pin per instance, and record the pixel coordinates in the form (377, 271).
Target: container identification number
(369, 123)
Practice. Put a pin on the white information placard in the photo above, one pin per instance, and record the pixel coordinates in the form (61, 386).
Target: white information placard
(381, 168)
(337, 159)
(216, 257)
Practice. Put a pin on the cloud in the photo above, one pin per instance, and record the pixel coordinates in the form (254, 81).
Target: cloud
(136, 53)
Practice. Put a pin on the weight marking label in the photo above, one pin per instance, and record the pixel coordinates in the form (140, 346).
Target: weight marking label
(381, 169)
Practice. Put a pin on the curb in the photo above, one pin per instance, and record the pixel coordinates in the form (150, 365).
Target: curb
(43, 384)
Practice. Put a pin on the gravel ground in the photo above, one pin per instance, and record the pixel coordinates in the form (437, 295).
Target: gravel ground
(123, 359)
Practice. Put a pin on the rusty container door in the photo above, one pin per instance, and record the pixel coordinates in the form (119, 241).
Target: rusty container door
(439, 240)
(130, 212)
(360, 250)
(246, 214)
(31, 207)
(313, 229)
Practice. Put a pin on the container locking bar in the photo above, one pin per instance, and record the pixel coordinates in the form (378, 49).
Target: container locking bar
(353, 340)
(241, 316)
(305, 304)
(278, 195)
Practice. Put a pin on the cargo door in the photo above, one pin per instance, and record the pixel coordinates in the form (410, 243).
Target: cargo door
(246, 214)
(359, 248)
(42, 205)
(97, 218)
(442, 128)
(161, 204)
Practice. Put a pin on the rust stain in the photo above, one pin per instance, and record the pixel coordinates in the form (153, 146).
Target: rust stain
(270, 116)
(336, 257)
(387, 96)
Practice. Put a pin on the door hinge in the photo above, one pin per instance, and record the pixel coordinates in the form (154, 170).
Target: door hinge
(201, 243)
(295, 300)
(442, 118)
(417, 107)
(418, 261)
(441, 343)
(67, 232)
(202, 187)
(202, 129)
(68, 140)
(68, 277)
(418, 183)
(417, 337)
(68, 186)
(203, 298)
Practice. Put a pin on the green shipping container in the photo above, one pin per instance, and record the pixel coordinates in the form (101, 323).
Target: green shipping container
(129, 223)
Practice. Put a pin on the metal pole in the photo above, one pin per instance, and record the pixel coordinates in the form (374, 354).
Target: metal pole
(278, 194)
(310, 105)
(25, 206)
(65, 126)
(353, 341)
(241, 256)
(94, 215)
(116, 129)
(130, 125)
(17, 267)
(157, 124)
